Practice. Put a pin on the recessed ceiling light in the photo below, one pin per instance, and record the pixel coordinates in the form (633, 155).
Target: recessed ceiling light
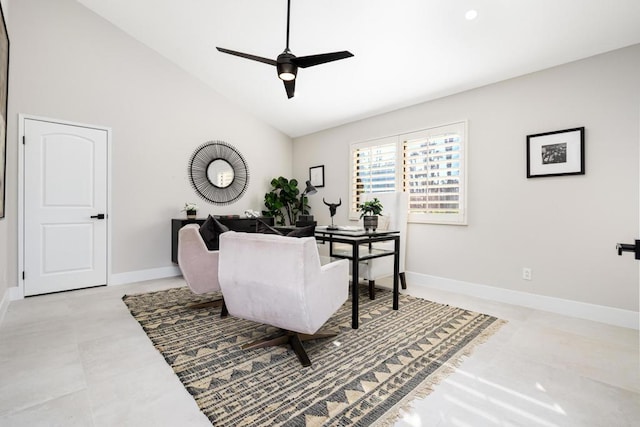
(471, 14)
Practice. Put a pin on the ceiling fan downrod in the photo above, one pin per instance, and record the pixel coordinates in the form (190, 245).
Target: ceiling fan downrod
(288, 18)
(287, 70)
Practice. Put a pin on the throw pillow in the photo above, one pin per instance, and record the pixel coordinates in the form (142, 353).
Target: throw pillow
(264, 228)
(210, 230)
(308, 231)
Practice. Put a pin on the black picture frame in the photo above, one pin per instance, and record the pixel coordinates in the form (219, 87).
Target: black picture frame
(316, 176)
(556, 153)
(4, 91)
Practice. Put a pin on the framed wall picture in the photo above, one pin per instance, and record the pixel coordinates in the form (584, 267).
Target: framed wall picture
(556, 153)
(4, 89)
(316, 176)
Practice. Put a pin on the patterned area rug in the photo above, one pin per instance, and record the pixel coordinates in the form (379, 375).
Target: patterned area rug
(358, 378)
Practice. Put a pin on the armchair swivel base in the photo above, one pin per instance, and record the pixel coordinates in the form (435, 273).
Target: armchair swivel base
(212, 304)
(294, 339)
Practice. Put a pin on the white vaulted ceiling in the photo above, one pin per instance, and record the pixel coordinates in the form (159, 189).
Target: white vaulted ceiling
(406, 51)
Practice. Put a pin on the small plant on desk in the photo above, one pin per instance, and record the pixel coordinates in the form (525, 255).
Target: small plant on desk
(369, 212)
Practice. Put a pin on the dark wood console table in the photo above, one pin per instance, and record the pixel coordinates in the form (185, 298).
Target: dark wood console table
(361, 250)
(247, 225)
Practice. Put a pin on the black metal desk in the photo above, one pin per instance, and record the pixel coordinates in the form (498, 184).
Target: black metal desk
(358, 238)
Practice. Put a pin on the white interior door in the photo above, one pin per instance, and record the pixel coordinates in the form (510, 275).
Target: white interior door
(65, 207)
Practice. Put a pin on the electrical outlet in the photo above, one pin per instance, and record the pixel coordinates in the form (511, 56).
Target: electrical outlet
(526, 273)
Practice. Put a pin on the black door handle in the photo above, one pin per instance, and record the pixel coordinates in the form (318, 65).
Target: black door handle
(99, 216)
(627, 247)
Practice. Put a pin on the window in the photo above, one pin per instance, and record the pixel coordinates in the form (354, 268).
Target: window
(428, 164)
(373, 168)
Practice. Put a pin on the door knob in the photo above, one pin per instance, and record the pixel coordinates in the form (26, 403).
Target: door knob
(627, 247)
(99, 216)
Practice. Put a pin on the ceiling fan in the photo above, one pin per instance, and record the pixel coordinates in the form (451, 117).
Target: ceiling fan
(287, 63)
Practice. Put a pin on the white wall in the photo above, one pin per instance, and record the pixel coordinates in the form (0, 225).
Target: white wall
(68, 63)
(564, 228)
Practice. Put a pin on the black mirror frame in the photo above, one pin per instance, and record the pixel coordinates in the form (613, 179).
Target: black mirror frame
(199, 163)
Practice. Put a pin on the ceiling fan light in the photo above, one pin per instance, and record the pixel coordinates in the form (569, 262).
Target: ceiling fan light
(287, 76)
(286, 69)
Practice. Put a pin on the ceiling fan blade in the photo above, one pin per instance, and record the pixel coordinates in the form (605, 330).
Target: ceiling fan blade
(290, 87)
(247, 56)
(311, 60)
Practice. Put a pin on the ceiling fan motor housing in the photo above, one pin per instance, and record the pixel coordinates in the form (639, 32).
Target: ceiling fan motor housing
(287, 70)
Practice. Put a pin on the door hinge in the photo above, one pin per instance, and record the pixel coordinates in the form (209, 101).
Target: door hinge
(23, 275)
(24, 140)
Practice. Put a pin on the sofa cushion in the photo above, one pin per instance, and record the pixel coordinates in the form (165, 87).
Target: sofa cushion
(308, 231)
(264, 228)
(210, 230)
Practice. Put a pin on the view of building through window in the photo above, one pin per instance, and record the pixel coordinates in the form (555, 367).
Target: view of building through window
(428, 164)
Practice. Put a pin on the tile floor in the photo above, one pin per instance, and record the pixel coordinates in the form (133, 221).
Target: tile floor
(79, 359)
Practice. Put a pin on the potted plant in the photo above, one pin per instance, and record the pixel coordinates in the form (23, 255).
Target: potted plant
(191, 209)
(282, 199)
(369, 212)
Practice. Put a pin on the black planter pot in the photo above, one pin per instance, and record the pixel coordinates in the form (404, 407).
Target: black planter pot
(370, 222)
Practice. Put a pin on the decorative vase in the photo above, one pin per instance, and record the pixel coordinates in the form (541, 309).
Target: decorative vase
(370, 222)
(192, 214)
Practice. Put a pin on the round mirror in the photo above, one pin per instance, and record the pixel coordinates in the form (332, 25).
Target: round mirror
(220, 173)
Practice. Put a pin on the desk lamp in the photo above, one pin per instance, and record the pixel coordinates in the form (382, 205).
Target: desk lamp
(302, 218)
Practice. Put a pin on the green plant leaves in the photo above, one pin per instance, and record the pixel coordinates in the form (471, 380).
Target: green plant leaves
(371, 207)
(282, 199)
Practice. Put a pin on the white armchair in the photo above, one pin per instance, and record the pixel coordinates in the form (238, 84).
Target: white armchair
(279, 281)
(199, 266)
(395, 211)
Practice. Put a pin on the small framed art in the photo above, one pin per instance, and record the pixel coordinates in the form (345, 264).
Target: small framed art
(556, 153)
(316, 176)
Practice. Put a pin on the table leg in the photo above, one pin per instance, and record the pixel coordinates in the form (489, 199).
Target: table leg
(355, 291)
(396, 273)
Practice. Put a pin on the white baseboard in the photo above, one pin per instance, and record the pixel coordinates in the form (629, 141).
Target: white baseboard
(142, 275)
(4, 303)
(16, 293)
(597, 313)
